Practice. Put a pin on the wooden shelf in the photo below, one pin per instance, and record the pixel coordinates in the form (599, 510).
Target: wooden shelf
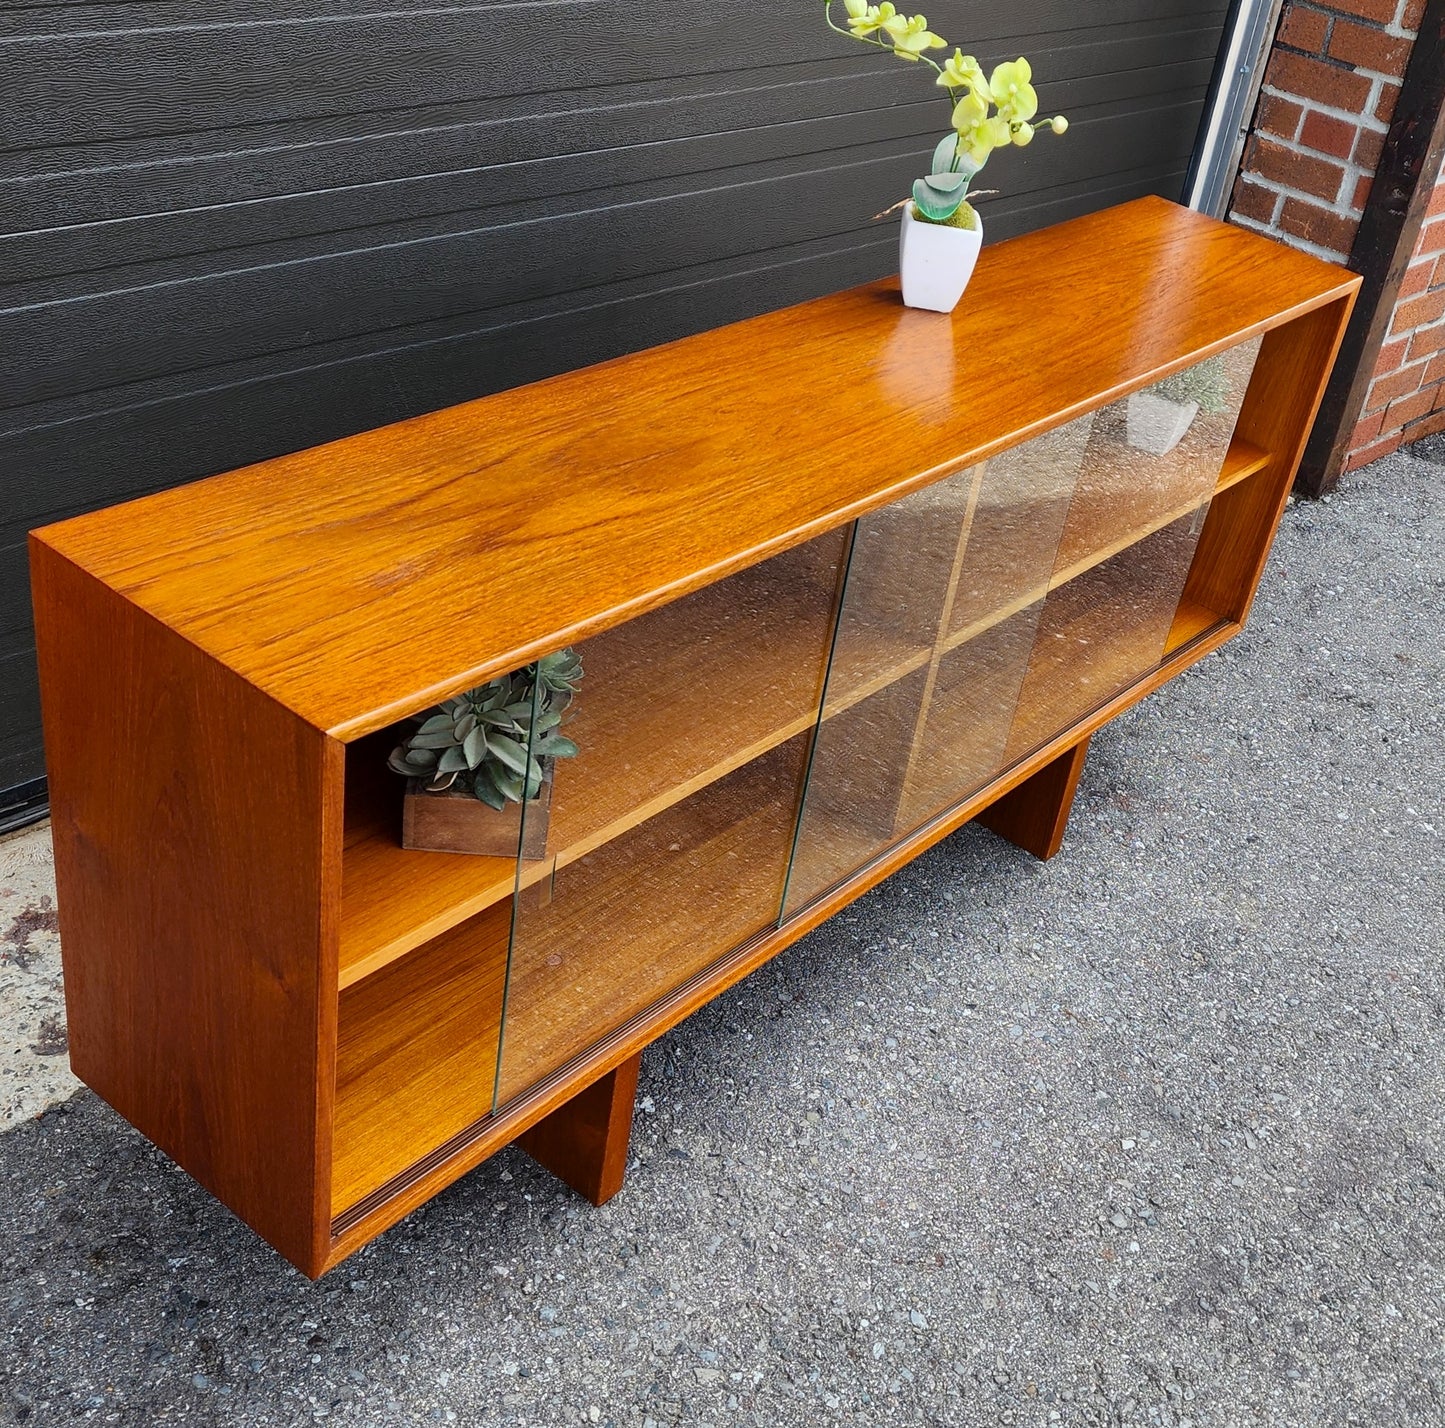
(416, 1054)
(1242, 460)
(1191, 620)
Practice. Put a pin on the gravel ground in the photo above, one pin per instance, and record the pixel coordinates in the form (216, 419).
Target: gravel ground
(1152, 1134)
(34, 1069)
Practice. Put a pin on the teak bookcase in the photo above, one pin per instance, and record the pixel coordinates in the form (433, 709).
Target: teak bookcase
(843, 577)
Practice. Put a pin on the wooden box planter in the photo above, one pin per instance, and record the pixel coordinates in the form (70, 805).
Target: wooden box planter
(326, 1028)
(456, 822)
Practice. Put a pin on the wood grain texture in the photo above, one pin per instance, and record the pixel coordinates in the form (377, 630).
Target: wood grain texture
(197, 835)
(528, 532)
(416, 1056)
(1035, 814)
(584, 1142)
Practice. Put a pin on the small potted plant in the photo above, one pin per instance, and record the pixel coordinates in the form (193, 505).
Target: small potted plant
(942, 231)
(475, 762)
(1159, 416)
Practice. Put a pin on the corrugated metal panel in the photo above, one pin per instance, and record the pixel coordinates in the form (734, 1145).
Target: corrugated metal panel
(229, 230)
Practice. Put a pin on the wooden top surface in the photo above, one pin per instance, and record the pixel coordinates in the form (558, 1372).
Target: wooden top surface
(362, 580)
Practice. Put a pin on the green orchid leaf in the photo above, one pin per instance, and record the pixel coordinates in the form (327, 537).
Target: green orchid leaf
(934, 205)
(945, 153)
(946, 183)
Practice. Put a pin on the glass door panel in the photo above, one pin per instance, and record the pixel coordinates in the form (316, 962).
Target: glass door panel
(970, 712)
(1151, 468)
(901, 573)
(1101, 631)
(663, 843)
(1003, 575)
(1014, 537)
(1153, 457)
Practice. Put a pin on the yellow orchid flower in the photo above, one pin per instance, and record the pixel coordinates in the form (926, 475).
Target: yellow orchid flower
(873, 19)
(1059, 124)
(978, 134)
(856, 8)
(1010, 89)
(911, 36)
(964, 72)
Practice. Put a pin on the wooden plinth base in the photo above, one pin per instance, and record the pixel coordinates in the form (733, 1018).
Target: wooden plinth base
(1034, 815)
(585, 1141)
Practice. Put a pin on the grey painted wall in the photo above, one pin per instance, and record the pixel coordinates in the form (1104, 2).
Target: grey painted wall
(230, 229)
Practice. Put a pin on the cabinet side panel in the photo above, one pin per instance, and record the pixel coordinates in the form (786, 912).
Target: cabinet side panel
(189, 817)
(1279, 409)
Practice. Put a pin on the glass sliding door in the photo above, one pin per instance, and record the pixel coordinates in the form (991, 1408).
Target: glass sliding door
(664, 843)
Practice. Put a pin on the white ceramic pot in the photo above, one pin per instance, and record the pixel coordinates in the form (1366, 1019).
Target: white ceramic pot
(936, 261)
(1157, 425)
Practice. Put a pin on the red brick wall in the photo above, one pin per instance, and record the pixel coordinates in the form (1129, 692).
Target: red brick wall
(1407, 393)
(1329, 92)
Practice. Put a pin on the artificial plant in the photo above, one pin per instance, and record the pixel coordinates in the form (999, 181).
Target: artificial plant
(496, 741)
(987, 111)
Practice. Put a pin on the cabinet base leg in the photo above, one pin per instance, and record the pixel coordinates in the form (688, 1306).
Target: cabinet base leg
(584, 1142)
(1034, 815)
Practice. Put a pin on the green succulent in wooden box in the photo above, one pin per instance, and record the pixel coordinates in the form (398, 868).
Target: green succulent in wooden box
(495, 741)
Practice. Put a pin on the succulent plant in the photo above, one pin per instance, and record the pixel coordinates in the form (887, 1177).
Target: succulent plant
(496, 741)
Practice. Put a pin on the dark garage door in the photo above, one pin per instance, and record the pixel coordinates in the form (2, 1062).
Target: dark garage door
(235, 228)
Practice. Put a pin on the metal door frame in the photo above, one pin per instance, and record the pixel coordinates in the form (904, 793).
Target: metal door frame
(1234, 93)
